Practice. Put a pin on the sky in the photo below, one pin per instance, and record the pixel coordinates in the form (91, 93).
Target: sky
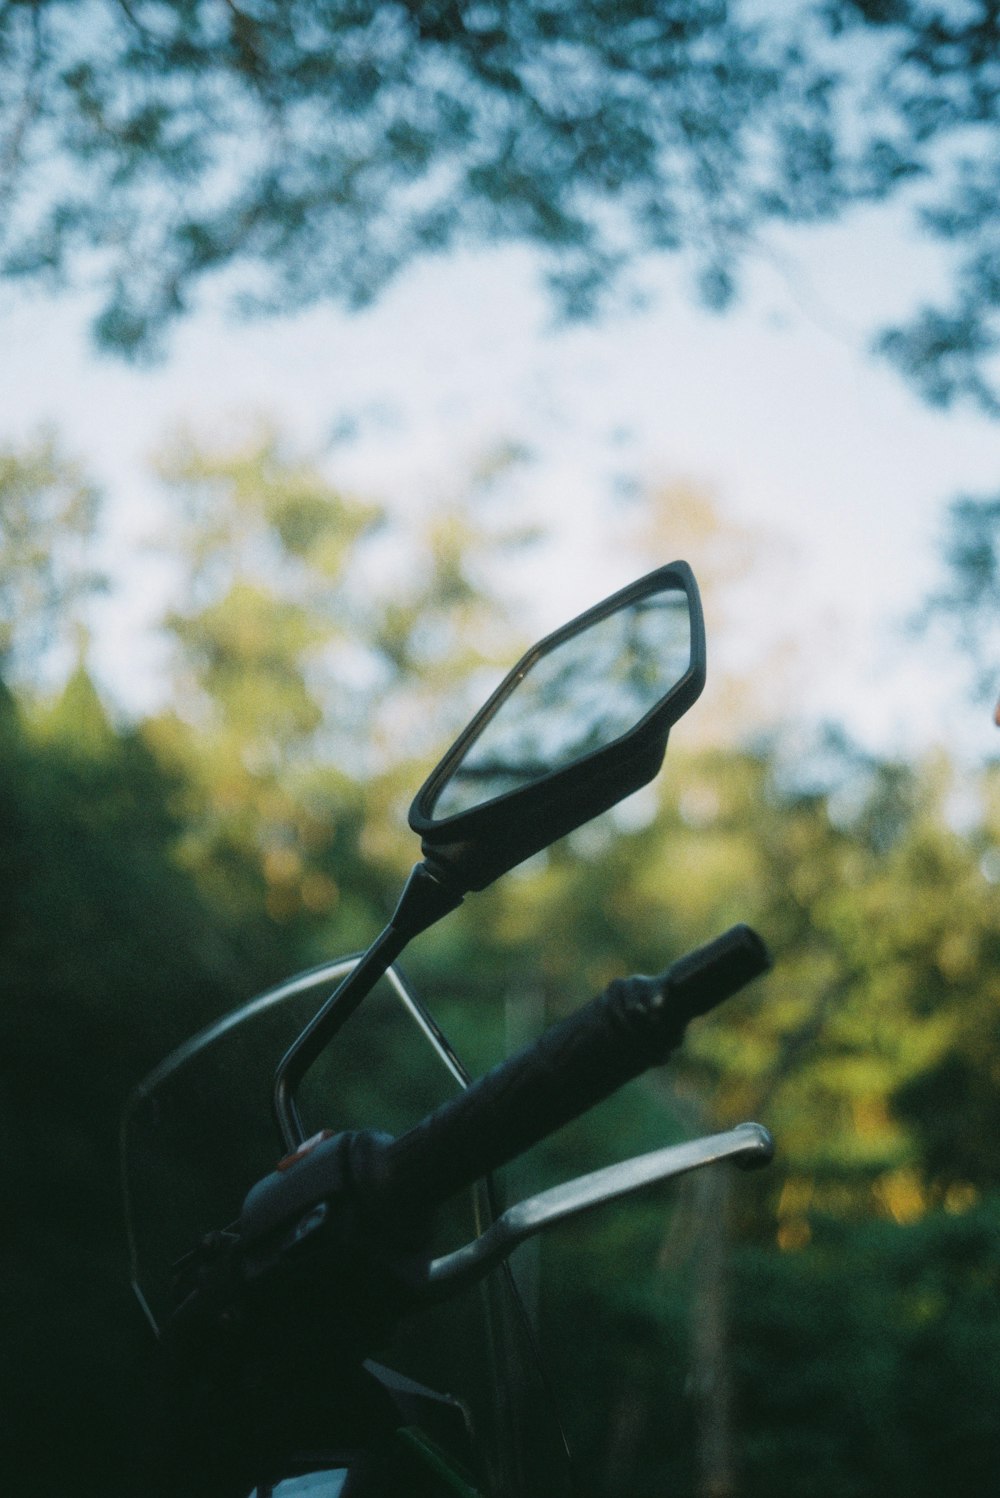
(776, 409)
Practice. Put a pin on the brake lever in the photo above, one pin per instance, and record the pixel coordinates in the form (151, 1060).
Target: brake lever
(748, 1145)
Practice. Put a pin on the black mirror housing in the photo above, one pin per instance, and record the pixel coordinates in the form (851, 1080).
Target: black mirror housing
(474, 846)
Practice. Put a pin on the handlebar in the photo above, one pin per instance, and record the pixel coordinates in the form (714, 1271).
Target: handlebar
(635, 1024)
(358, 1202)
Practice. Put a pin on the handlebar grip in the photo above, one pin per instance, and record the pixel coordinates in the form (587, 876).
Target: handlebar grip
(635, 1024)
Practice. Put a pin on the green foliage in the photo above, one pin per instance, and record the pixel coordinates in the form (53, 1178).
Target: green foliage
(156, 876)
(324, 147)
(316, 150)
(865, 1257)
(967, 602)
(864, 1364)
(107, 958)
(48, 515)
(313, 686)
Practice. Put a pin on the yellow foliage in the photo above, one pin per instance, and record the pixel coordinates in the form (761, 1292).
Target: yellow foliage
(903, 1195)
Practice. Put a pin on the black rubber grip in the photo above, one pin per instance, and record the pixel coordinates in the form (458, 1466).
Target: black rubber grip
(633, 1025)
(708, 975)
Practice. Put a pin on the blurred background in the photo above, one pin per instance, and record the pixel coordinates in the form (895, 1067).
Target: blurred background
(346, 348)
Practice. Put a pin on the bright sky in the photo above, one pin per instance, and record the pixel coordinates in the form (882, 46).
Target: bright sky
(775, 408)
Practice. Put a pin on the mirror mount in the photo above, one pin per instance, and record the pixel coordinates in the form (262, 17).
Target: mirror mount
(545, 812)
(427, 896)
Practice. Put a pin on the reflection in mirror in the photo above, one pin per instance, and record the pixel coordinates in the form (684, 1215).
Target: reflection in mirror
(583, 694)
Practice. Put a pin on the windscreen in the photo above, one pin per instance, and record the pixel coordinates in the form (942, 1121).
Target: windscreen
(198, 1133)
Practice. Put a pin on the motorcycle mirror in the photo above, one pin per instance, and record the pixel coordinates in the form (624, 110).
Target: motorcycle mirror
(580, 723)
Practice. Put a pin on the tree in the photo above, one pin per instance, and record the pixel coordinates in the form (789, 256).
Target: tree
(315, 150)
(315, 680)
(153, 877)
(48, 518)
(108, 958)
(966, 603)
(258, 730)
(866, 1255)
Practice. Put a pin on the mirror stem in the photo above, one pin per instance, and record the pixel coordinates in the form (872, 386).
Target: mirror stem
(424, 900)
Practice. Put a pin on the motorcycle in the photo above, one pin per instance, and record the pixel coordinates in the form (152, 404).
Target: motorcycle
(345, 1321)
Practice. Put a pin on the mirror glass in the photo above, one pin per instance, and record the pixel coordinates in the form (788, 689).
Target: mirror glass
(582, 694)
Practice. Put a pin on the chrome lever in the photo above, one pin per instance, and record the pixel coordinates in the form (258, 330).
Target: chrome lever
(748, 1145)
